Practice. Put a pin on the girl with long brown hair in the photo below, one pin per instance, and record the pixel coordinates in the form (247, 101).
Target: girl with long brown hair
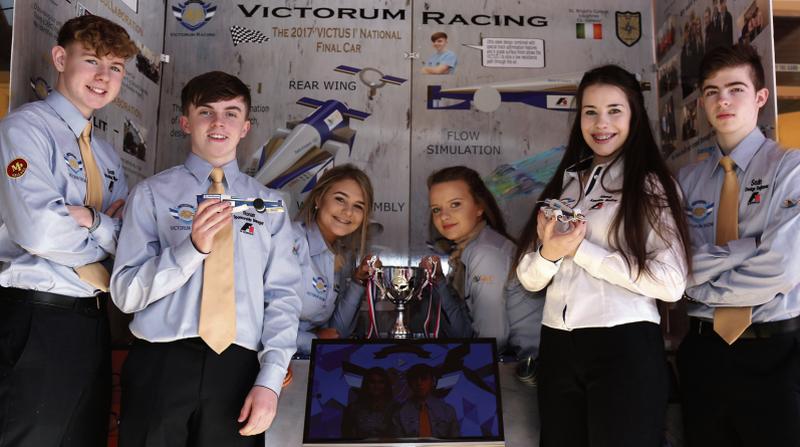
(480, 297)
(603, 376)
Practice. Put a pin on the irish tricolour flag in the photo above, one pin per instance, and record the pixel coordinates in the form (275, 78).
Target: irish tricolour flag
(589, 30)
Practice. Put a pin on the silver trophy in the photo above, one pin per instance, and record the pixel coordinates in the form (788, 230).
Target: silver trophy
(399, 285)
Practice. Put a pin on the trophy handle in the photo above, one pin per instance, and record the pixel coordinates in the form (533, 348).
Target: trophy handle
(384, 294)
(429, 275)
(378, 277)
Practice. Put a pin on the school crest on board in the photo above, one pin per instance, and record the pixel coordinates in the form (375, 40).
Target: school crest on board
(629, 27)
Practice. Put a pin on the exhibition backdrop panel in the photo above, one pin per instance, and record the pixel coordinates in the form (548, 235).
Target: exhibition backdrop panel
(370, 56)
(347, 76)
(130, 122)
(685, 31)
(516, 143)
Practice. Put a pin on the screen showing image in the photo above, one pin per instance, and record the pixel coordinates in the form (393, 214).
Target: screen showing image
(390, 392)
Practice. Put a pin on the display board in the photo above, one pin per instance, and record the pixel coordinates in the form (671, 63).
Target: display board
(343, 82)
(689, 28)
(369, 57)
(130, 122)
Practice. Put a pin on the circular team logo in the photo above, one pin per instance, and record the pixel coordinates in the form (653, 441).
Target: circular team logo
(16, 168)
(193, 14)
(699, 210)
(73, 163)
(183, 212)
(319, 284)
(40, 87)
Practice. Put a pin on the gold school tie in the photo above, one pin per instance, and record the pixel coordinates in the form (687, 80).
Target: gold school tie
(94, 274)
(217, 325)
(424, 422)
(729, 322)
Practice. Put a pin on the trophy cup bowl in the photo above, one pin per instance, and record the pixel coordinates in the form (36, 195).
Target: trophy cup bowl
(398, 285)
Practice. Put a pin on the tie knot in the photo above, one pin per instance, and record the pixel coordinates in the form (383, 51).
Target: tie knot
(727, 163)
(217, 174)
(87, 131)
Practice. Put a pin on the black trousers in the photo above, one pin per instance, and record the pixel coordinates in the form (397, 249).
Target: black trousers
(603, 387)
(182, 393)
(55, 376)
(745, 394)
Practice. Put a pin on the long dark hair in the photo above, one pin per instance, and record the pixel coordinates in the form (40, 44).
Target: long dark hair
(641, 203)
(483, 197)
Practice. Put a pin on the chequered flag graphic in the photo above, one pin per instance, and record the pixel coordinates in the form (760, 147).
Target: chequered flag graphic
(240, 34)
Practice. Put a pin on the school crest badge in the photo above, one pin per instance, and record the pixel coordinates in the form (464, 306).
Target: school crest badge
(16, 168)
(629, 27)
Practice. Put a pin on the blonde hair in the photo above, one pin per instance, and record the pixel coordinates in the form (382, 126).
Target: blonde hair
(308, 212)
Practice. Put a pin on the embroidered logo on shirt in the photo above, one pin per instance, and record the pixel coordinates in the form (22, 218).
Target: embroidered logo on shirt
(16, 168)
(699, 210)
(183, 212)
(755, 188)
(296, 247)
(73, 163)
(319, 288)
(112, 177)
(604, 198)
(248, 228)
(486, 279)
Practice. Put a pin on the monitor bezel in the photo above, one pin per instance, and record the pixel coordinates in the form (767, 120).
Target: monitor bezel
(483, 440)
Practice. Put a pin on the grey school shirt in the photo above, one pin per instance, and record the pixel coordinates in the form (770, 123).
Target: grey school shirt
(494, 305)
(330, 298)
(40, 243)
(761, 268)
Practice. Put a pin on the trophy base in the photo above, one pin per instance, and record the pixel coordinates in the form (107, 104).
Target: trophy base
(400, 335)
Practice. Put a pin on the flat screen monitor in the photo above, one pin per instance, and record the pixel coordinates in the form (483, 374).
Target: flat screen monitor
(403, 392)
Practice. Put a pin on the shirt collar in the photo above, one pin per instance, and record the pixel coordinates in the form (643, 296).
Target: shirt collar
(744, 152)
(614, 167)
(67, 112)
(201, 169)
(428, 400)
(316, 243)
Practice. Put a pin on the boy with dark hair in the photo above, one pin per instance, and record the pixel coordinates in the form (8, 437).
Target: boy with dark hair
(213, 290)
(424, 415)
(739, 364)
(444, 61)
(62, 194)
